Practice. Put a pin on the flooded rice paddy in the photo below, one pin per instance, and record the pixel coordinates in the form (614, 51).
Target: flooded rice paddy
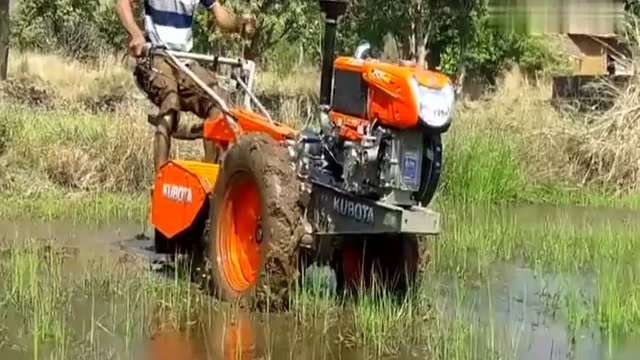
(519, 282)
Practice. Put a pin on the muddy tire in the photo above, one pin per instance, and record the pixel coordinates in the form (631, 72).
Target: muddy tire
(250, 244)
(388, 263)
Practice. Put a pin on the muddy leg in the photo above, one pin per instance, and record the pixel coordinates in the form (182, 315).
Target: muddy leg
(188, 130)
(195, 100)
(157, 79)
(162, 139)
(193, 130)
(211, 151)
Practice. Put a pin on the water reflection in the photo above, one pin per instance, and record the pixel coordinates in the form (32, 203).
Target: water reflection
(225, 336)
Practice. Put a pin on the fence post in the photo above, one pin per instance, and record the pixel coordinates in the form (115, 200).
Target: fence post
(4, 38)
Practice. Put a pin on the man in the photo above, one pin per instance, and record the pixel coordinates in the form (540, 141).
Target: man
(169, 22)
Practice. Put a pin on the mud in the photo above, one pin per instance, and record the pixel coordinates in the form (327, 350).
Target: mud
(514, 305)
(267, 164)
(91, 240)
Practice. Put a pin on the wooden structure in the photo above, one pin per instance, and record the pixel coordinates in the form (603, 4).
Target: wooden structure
(594, 58)
(605, 54)
(596, 53)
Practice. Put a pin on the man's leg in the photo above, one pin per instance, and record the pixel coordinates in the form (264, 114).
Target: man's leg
(195, 100)
(161, 86)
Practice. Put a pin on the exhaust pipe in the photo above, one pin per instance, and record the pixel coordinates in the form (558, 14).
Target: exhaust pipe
(361, 50)
(332, 10)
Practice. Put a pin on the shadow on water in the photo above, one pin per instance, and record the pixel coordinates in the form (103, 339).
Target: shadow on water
(515, 308)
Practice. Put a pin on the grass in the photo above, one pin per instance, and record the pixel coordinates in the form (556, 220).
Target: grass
(56, 306)
(585, 268)
(71, 149)
(89, 136)
(76, 208)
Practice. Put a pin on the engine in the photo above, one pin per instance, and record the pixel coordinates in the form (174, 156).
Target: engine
(380, 124)
(386, 165)
(380, 136)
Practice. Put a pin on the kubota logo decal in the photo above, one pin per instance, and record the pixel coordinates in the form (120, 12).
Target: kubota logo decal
(358, 211)
(177, 193)
(381, 75)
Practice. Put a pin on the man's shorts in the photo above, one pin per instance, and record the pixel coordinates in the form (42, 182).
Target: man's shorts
(169, 89)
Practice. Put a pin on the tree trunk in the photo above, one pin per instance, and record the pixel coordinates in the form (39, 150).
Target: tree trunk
(4, 38)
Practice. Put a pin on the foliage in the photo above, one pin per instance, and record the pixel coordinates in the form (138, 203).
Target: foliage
(78, 28)
(459, 34)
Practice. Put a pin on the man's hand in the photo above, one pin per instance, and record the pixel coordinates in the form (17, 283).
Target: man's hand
(123, 8)
(247, 25)
(135, 45)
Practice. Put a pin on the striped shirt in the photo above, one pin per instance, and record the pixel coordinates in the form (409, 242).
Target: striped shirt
(169, 22)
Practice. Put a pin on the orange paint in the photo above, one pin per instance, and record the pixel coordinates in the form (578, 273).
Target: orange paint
(179, 193)
(352, 265)
(392, 102)
(217, 130)
(237, 233)
(348, 125)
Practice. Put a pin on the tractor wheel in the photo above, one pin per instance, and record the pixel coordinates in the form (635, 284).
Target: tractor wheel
(160, 242)
(390, 263)
(255, 211)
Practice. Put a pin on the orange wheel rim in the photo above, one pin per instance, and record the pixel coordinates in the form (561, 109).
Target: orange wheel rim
(239, 233)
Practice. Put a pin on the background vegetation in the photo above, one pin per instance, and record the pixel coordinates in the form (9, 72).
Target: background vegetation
(89, 133)
(460, 35)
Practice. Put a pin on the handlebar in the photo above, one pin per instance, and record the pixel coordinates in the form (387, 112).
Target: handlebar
(246, 65)
(150, 49)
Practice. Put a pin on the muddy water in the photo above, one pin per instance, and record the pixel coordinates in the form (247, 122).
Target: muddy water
(513, 307)
(515, 304)
(89, 239)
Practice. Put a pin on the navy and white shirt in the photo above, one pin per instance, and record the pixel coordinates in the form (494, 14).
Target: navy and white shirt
(169, 22)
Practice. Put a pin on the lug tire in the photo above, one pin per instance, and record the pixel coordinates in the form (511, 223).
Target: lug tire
(250, 248)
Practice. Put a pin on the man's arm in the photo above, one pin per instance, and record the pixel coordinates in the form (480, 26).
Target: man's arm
(223, 17)
(125, 13)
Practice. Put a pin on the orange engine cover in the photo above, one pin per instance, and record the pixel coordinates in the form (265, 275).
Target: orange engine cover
(364, 90)
(180, 191)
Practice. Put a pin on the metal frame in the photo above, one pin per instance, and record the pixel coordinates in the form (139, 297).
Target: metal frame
(332, 211)
(246, 65)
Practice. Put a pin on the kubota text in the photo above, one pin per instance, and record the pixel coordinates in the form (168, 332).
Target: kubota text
(177, 193)
(358, 211)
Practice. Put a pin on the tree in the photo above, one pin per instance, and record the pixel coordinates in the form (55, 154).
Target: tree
(4, 38)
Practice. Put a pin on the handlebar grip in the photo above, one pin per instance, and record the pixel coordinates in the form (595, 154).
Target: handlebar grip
(148, 48)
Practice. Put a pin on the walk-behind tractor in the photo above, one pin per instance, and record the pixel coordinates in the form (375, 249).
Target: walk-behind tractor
(352, 195)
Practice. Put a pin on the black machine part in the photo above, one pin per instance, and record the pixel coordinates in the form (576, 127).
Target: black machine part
(332, 9)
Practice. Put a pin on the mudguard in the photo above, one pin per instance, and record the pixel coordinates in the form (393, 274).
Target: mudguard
(180, 190)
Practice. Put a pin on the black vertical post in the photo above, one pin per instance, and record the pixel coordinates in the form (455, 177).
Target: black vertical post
(4, 38)
(332, 10)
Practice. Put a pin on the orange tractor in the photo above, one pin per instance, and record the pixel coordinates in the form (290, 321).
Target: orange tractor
(352, 194)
